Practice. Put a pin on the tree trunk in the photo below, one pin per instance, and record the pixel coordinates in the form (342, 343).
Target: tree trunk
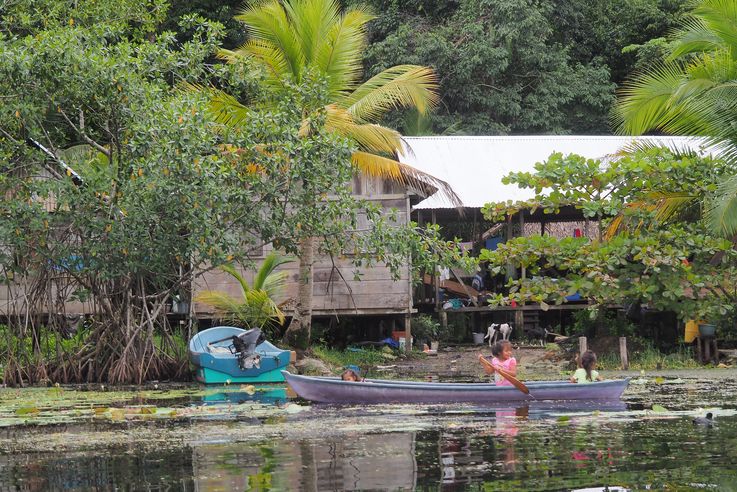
(297, 335)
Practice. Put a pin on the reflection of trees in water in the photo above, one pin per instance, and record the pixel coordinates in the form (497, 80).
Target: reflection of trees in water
(121, 467)
(557, 449)
(354, 462)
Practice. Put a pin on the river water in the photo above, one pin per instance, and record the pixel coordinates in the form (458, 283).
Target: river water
(235, 440)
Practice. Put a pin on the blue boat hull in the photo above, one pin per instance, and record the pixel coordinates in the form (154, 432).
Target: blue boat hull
(214, 365)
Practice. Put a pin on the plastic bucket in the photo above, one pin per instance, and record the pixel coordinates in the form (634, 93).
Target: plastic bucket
(403, 343)
(692, 331)
(707, 330)
(478, 338)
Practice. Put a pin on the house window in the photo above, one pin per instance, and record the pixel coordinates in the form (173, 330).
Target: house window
(357, 188)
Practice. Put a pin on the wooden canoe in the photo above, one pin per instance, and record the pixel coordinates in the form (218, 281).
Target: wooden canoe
(334, 390)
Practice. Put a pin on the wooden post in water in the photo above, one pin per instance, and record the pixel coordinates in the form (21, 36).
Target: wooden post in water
(623, 353)
(581, 346)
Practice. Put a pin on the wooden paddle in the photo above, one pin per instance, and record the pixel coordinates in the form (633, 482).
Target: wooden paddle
(515, 382)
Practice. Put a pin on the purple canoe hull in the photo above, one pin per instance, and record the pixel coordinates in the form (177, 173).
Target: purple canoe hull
(334, 390)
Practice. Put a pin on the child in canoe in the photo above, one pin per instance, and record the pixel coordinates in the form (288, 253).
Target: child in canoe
(351, 373)
(502, 352)
(587, 373)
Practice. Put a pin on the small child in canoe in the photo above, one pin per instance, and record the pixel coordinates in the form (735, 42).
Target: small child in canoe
(351, 373)
(587, 373)
(502, 352)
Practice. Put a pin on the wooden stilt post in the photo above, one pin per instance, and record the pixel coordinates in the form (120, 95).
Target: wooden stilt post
(707, 349)
(582, 346)
(623, 353)
(408, 333)
(519, 323)
(715, 354)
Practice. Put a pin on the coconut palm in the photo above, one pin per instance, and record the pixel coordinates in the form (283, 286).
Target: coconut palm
(693, 92)
(290, 39)
(260, 305)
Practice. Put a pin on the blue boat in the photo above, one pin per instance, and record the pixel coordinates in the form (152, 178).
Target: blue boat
(226, 354)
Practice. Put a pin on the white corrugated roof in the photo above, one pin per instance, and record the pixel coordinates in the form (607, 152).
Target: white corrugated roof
(474, 166)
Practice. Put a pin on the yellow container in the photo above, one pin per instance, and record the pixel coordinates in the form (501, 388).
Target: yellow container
(692, 330)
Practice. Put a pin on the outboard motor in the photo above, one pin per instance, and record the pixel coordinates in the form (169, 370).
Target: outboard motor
(244, 347)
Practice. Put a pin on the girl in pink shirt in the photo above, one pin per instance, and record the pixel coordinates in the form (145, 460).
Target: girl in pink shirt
(502, 352)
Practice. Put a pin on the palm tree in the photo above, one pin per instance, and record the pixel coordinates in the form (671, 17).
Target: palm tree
(693, 92)
(260, 305)
(293, 38)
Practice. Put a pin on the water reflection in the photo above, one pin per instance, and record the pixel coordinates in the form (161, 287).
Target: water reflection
(450, 456)
(266, 394)
(368, 462)
(535, 446)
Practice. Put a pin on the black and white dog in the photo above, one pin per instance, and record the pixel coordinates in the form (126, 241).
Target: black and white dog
(496, 329)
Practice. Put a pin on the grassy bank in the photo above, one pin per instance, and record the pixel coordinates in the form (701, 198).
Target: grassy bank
(650, 358)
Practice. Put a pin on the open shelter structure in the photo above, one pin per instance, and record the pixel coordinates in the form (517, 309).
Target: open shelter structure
(474, 167)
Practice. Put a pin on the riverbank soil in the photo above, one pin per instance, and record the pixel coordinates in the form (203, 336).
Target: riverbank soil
(461, 362)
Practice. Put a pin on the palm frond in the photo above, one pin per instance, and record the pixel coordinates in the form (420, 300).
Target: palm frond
(224, 108)
(231, 270)
(266, 55)
(339, 57)
(372, 138)
(615, 226)
(647, 144)
(269, 23)
(721, 213)
(262, 308)
(396, 87)
(646, 102)
(720, 17)
(664, 206)
(311, 23)
(263, 279)
(375, 165)
(222, 302)
(668, 205)
(693, 37)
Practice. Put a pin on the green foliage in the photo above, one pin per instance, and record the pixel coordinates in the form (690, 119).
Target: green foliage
(670, 270)
(501, 67)
(517, 66)
(649, 358)
(221, 11)
(315, 46)
(164, 196)
(603, 322)
(605, 190)
(337, 358)
(426, 328)
(689, 91)
(459, 326)
(673, 265)
(45, 344)
(259, 306)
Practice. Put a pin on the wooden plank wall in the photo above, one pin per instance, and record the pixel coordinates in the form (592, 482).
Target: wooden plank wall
(13, 301)
(375, 293)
